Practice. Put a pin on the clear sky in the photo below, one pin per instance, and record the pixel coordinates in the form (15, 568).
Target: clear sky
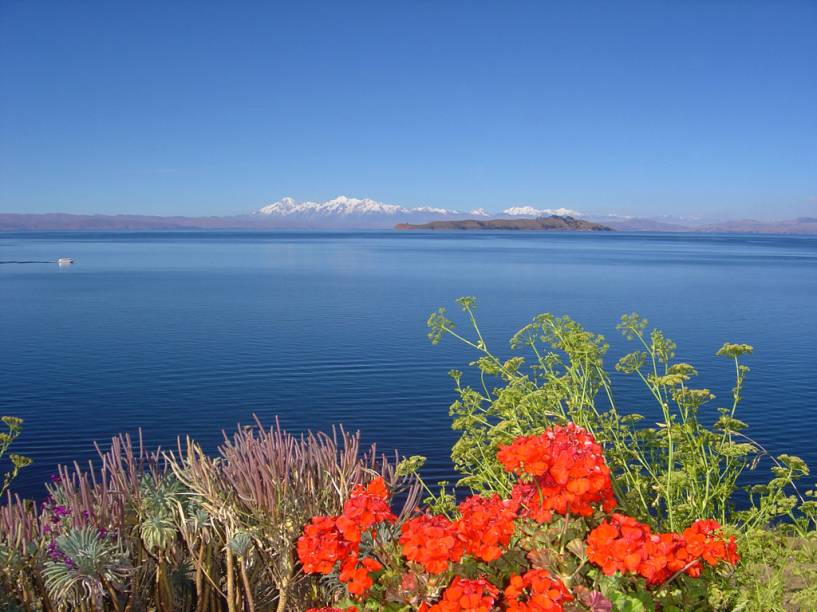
(172, 107)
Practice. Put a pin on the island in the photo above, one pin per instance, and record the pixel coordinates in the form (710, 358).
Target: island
(552, 223)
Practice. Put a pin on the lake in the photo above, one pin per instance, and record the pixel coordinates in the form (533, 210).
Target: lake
(190, 332)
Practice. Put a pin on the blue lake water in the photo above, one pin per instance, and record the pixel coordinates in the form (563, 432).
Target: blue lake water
(193, 332)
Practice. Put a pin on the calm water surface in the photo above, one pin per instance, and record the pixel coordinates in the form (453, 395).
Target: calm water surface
(195, 332)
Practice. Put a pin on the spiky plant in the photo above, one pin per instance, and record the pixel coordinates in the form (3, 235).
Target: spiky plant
(158, 502)
(86, 567)
(266, 484)
(22, 552)
(126, 496)
(145, 530)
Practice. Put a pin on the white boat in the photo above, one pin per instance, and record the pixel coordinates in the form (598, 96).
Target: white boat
(65, 261)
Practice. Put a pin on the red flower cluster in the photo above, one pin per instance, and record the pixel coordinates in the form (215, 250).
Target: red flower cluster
(355, 573)
(322, 545)
(462, 594)
(704, 540)
(431, 541)
(562, 471)
(364, 508)
(567, 469)
(625, 545)
(536, 591)
(486, 525)
(328, 540)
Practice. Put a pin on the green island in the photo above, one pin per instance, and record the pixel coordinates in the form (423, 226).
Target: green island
(552, 223)
(566, 501)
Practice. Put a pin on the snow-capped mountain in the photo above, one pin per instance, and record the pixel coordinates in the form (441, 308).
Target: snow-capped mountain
(530, 211)
(347, 212)
(344, 211)
(341, 205)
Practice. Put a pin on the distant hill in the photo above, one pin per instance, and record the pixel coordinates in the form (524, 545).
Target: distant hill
(66, 222)
(552, 223)
(639, 224)
(801, 225)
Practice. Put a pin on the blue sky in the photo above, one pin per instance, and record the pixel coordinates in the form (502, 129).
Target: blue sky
(653, 108)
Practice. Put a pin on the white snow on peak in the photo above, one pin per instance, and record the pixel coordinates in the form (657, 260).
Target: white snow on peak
(344, 206)
(530, 211)
(436, 211)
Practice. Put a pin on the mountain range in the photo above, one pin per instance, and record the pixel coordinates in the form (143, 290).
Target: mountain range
(345, 212)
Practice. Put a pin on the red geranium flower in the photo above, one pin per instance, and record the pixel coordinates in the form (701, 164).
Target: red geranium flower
(431, 541)
(622, 544)
(365, 508)
(486, 525)
(356, 574)
(322, 545)
(564, 471)
(462, 594)
(536, 591)
(328, 540)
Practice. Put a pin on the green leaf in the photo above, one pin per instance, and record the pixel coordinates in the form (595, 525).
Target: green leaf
(623, 602)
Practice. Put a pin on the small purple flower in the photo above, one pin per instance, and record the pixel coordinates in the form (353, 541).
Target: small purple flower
(54, 553)
(86, 515)
(61, 511)
(56, 478)
(102, 532)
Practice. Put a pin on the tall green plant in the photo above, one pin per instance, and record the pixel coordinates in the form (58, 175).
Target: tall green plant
(668, 474)
(14, 427)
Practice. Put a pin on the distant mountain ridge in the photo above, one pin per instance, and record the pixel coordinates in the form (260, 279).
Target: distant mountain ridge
(800, 225)
(68, 222)
(365, 212)
(362, 212)
(345, 212)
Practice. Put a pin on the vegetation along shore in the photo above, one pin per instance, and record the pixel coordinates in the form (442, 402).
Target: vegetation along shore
(552, 223)
(565, 501)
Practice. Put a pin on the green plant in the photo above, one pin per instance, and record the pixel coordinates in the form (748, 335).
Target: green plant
(183, 530)
(777, 573)
(85, 567)
(667, 475)
(13, 430)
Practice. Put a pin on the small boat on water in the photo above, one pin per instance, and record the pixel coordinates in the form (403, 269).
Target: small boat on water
(65, 261)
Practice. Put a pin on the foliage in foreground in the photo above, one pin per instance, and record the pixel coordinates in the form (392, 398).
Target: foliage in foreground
(552, 544)
(688, 466)
(182, 530)
(13, 429)
(278, 522)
